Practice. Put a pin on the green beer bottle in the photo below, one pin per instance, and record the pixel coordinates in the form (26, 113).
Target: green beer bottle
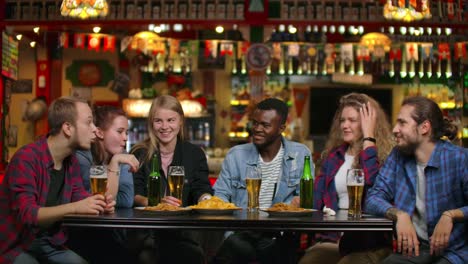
(307, 185)
(154, 183)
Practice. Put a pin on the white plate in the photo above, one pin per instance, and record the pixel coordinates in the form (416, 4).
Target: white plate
(306, 212)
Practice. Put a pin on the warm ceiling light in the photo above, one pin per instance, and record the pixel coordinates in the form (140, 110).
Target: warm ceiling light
(406, 13)
(282, 28)
(157, 29)
(448, 31)
(219, 29)
(178, 27)
(96, 29)
(332, 29)
(361, 30)
(292, 29)
(341, 29)
(403, 30)
(36, 30)
(32, 44)
(84, 9)
(19, 37)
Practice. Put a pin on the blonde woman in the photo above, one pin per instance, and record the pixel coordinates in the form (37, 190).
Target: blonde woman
(166, 137)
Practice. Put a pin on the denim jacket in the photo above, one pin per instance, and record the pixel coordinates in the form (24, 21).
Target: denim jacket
(230, 185)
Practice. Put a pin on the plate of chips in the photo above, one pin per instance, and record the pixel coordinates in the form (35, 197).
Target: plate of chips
(214, 206)
(164, 209)
(286, 210)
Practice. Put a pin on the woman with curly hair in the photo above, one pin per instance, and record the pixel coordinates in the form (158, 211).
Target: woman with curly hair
(360, 137)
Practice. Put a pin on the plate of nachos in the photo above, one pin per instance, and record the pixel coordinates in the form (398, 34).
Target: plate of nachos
(163, 209)
(286, 210)
(214, 206)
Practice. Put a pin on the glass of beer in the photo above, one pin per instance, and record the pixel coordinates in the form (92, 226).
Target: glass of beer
(253, 179)
(98, 177)
(355, 184)
(176, 176)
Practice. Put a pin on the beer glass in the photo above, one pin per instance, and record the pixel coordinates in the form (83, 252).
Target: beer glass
(176, 176)
(355, 184)
(253, 180)
(98, 178)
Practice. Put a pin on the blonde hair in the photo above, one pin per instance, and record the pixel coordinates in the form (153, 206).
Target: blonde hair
(151, 144)
(383, 132)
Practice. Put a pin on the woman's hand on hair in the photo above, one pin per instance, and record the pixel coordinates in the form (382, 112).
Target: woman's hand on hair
(368, 119)
(129, 159)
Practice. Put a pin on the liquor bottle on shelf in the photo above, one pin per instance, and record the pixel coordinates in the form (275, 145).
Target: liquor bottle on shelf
(207, 135)
(307, 185)
(154, 183)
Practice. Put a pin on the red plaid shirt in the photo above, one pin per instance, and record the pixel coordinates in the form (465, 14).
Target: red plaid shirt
(24, 190)
(325, 190)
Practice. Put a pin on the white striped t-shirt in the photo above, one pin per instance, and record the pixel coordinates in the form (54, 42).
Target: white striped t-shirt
(270, 174)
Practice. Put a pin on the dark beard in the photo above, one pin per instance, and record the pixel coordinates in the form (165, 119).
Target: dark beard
(407, 150)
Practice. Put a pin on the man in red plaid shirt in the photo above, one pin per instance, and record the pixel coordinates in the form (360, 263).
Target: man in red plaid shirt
(43, 183)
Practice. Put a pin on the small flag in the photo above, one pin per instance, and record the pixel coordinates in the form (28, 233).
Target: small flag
(63, 40)
(412, 51)
(109, 43)
(79, 40)
(94, 42)
(444, 51)
(460, 50)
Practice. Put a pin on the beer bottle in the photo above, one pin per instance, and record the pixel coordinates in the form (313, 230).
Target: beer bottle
(154, 183)
(307, 185)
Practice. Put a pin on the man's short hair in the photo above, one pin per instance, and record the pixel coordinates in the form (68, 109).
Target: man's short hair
(274, 104)
(62, 110)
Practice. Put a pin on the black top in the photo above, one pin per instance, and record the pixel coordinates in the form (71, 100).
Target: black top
(54, 197)
(196, 172)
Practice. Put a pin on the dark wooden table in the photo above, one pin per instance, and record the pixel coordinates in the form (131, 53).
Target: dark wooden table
(239, 220)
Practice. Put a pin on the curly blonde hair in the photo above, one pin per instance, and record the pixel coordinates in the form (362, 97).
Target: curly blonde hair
(383, 132)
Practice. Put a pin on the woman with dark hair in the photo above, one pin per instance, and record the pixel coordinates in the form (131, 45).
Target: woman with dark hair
(166, 138)
(359, 126)
(109, 149)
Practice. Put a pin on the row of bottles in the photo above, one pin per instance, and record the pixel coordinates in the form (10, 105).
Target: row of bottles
(200, 134)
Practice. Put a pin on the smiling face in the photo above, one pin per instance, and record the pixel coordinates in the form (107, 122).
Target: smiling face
(406, 131)
(166, 125)
(350, 124)
(114, 138)
(266, 127)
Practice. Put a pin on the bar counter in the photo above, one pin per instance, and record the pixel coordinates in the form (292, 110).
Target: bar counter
(239, 220)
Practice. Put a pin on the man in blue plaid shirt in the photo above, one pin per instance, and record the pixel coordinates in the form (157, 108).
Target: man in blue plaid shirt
(423, 187)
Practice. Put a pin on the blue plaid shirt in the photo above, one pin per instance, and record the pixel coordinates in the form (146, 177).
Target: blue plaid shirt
(446, 188)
